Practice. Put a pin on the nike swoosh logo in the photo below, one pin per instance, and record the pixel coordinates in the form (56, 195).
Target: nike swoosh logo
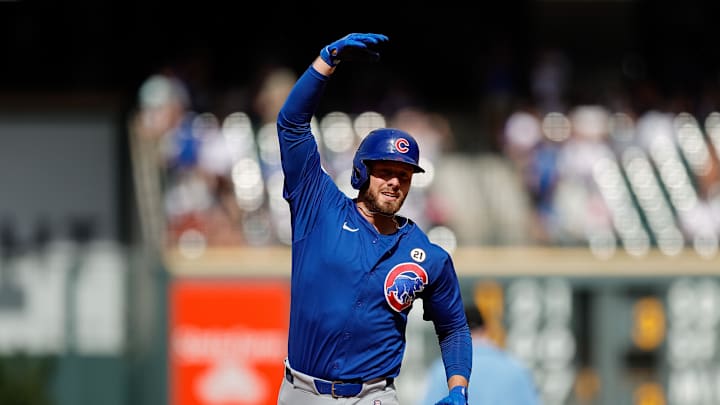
(347, 228)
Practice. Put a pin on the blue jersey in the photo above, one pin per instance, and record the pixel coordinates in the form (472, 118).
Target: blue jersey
(352, 287)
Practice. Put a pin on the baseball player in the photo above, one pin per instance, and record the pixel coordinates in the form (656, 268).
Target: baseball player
(356, 265)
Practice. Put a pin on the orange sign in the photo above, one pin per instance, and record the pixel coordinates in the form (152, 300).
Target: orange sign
(228, 339)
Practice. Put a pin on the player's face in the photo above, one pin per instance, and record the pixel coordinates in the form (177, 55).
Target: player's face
(388, 186)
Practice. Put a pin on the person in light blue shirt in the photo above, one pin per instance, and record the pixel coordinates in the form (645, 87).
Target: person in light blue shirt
(497, 378)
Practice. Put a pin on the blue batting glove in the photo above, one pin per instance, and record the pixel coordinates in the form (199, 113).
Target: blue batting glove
(458, 396)
(353, 47)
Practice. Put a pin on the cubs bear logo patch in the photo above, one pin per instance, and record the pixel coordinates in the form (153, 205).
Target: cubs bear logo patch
(402, 283)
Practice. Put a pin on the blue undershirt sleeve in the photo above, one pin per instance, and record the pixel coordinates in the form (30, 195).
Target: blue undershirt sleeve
(456, 351)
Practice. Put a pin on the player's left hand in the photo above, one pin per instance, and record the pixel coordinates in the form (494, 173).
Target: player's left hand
(457, 396)
(353, 47)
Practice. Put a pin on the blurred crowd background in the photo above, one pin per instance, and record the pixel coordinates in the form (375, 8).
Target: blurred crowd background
(530, 141)
(589, 175)
(544, 122)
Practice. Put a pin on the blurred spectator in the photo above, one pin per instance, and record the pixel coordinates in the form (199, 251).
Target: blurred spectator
(212, 202)
(163, 101)
(497, 377)
(162, 107)
(534, 157)
(578, 206)
(182, 168)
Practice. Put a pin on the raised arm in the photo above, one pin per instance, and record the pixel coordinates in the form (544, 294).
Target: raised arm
(293, 121)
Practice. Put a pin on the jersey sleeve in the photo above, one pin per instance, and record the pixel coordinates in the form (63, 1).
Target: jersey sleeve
(298, 147)
(444, 307)
(305, 181)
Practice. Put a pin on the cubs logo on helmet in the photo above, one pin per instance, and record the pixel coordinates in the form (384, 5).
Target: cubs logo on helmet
(403, 283)
(402, 145)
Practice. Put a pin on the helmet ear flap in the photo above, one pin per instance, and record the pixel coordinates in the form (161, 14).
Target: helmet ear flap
(359, 175)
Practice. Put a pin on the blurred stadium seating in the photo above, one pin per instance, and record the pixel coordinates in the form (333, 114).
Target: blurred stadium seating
(590, 177)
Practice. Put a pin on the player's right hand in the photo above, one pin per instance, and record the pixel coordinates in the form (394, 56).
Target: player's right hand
(353, 47)
(458, 396)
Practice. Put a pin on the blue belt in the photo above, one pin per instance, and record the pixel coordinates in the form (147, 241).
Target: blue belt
(334, 388)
